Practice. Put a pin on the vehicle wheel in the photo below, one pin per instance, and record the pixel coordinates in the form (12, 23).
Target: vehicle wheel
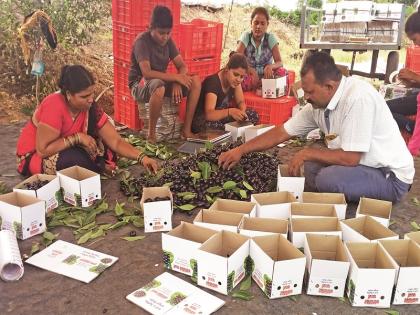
(391, 64)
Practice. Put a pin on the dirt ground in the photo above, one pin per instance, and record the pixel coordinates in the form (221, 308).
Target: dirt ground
(43, 292)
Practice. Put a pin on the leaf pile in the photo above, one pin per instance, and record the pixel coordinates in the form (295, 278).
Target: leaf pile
(243, 292)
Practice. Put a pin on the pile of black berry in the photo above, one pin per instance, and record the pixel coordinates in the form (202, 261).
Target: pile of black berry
(157, 199)
(35, 185)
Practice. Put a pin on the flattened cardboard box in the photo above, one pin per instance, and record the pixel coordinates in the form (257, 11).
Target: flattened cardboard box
(336, 199)
(327, 264)
(273, 204)
(380, 210)
(221, 261)
(237, 129)
(245, 208)
(279, 266)
(180, 246)
(218, 220)
(415, 236)
(254, 131)
(406, 254)
(50, 192)
(252, 227)
(372, 275)
(81, 187)
(23, 214)
(312, 210)
(365, 229)
(157, 214)
(285, 182)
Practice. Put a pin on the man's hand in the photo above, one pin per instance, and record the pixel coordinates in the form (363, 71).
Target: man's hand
(297, 161)
(176, 93)
(237, 114)
(230, 158)
(185, 80)
(150, 164)
(268, 72)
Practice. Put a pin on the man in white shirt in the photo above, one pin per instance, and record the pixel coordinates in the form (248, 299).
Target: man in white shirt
(366, 155)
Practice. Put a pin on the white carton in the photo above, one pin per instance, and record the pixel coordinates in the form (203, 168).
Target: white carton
(329, 13)
(245, 208)
(372, 275)
(380, 210)
(50, 192)
(237, 129)
(80, 186)
(327, 263)
(279, 266)
(274, 88)
(221, 261)
(336, 199)
(299, 227)
(415, 236)
(285, 182)
(312, 210)
(252, 227)
(254, 131)
(180, 246)
(23, 214)
(393, 90)
(157, 214)
(406, 253)
(365, 229)
(388, 11)
(273, 204)
(218, 220)
(361, 11)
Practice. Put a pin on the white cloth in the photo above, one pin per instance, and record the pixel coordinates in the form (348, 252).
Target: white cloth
(362, 122)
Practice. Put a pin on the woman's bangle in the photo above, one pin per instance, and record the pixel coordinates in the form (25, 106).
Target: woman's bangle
(140, 157)
(77, 138)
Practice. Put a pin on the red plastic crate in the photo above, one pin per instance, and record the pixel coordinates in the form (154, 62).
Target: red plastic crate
(137, 13)
(271, 111)
(200, 67)
(121, 69)
(201, 39)
(412, 58)
(126, 111)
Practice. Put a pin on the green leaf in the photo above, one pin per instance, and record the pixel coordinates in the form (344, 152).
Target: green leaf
(91, 217)
(195, 175)
(205, 169)
(214, 189)
(49, 236)
(167, 184)
(392, 222)
(293, 298)
(209, 145)
(187, 207)
(98, 233)
(119, 208)
(117, 225)
(415, 226)
(138, 223)
(243, 194)
(209, 199)
(247, 185)
(342, 299)
(101, 207)
(243, 295)
(133, 238)
(230, 184)
(104, 226)
(34, 249)
(85, 237)
(392, 312)
(246, 284)
(88, 226)
(415, 201)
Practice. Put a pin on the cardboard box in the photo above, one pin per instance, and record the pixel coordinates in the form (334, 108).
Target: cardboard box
(312, 210)
(23, 214)
(327, 263)
(415, 236)
(406, 254)
(221, 260)
(50, 192)
(274, 88)
(365, 229)
(285, 182)
(336, 199)
(254, 131)
(80, 186)
(157, 214)
(380, 210)
(299, 227)
(218, 220)
(393, 90)
(279, 266)
(372, 275)
(273, 204)
(252, 227)
(245, 208)
(237, 129)
(180, 246)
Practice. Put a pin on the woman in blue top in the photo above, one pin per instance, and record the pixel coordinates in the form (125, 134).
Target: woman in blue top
(261, 50)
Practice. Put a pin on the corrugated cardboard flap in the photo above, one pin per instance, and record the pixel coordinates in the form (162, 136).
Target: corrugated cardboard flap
(375, 207)
(313, 209)
(265, 225)
(370, 255)
(271, 198)
(192, 232)
(278, 247)
(224, 243)
(78, 173)
(326, 198)
(326, 247)
(314, 224)
(405, 252)
(237, 206)
(19, 199)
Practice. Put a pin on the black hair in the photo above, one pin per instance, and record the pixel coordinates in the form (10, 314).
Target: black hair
(260, 10)
(323, 66)
(412, 25)
(74, 79)
(161, 17)
(237, 60)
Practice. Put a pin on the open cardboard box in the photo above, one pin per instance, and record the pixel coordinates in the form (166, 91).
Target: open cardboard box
(254, 131)
(273, 204)
(157, 214)
(274, 88)
(23, 214)
(50, 192)
(365, 229)
(327, 264)
(336, 199)
(372, 275)
(221, 261)
(406, 254)
(380, 210)
(245, 208)
(81, 187)
(415, 236)
(180, 246)
(218, 220)
(237, 129)
(285, 182)
(301, 226)
(312, 210)
(252, 227)
(279, 266)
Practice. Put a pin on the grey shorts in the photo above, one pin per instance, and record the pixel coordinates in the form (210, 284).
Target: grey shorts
(142, 93)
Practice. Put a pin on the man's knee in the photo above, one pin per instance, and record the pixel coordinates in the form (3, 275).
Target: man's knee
(159, 92)
(329, 179)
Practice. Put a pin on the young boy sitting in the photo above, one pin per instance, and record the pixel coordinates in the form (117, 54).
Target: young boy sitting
(152, 51)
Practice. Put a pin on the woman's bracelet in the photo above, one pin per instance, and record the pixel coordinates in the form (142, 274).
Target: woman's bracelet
(140, 157)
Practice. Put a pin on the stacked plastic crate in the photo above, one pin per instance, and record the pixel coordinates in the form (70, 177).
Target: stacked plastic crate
(412, 58)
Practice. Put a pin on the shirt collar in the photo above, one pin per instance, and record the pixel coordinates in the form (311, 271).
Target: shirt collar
(337, 96)
(253, 41)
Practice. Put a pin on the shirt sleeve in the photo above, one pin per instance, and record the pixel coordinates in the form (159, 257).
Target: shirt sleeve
(51, 112)
(272, 40)
(302, 123)
(173, 51)
(210, 85)
(141, 49)
(244, 38)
